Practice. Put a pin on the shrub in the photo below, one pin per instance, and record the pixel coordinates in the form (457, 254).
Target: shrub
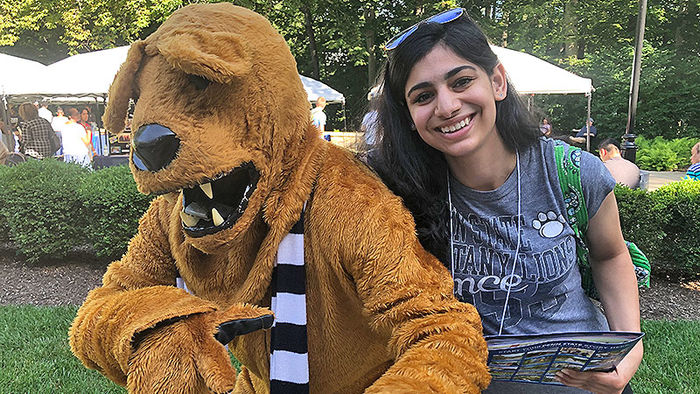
(659, 154)
(113, 207)
(658, 158)
(39, 204)
(665, 224)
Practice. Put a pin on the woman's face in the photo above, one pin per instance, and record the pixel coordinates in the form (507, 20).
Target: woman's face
(453, 102)
(84, 115)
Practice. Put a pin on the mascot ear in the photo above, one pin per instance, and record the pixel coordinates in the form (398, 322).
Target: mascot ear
(218, 56)
(123, 89)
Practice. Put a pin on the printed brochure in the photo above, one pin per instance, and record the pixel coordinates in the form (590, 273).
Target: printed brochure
(536, 358)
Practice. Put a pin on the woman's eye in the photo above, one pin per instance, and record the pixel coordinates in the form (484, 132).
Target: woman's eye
(422, 97)
(462, 82)
(199, 82)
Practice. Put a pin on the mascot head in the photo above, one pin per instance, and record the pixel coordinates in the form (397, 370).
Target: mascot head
(220, 116)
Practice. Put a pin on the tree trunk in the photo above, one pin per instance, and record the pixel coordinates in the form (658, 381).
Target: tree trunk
(570, 28)
(370, 36)
(312, 40)
(581, 48)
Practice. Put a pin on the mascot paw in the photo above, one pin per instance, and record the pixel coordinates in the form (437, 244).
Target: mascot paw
(187, 355)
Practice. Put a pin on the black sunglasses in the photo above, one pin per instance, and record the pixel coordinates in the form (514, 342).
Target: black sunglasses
(441, 18)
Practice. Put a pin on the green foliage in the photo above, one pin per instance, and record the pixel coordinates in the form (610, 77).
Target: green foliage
(113, 207)
(658, 158)
(49, 208)
(665, 224)
(35, 355)
(48, 30)
(660, 154)
(38, 201)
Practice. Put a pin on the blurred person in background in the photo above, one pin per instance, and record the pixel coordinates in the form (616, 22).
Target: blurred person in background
(318, 117)
(59, 120)
(693, 171)
(369, 121)
(88, 126)
(546, 128)
(75, 140)
(622, 170)
(57, 123)
(35, 132)
(8, 139)
(44, 111)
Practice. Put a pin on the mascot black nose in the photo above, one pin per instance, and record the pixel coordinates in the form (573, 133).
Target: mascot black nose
(155, 146)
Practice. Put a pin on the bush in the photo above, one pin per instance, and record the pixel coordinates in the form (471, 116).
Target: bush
(665, 224)
(659, 154)
(38, 202)
(48, 208)
(113, 207)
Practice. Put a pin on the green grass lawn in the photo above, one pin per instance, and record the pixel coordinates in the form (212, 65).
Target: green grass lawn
(35, 356)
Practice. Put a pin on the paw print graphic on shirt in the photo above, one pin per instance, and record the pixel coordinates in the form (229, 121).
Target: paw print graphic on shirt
(550, 224)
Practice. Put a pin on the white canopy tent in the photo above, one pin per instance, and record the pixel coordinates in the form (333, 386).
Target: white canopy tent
(532, 75)
(90, 75)
(315, 89)
(16, 71)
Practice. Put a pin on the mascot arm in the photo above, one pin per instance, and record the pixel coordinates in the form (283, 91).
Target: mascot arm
(138, 322)
(137, 294)
(436, 341)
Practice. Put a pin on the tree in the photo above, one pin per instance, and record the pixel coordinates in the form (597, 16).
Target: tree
(49, 30)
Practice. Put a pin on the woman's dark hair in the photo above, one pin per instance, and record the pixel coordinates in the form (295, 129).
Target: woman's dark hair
(414, 170)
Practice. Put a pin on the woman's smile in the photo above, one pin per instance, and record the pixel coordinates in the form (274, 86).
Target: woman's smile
(457, 126)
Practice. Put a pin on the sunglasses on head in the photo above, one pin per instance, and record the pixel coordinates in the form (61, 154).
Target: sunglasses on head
(441, 18)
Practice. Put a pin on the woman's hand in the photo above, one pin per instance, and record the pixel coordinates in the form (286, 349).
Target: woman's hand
(605, 382)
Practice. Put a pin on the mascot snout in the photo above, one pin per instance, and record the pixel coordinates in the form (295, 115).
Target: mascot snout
(155, 146)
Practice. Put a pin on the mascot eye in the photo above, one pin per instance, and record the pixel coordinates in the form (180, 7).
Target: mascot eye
(199, 82)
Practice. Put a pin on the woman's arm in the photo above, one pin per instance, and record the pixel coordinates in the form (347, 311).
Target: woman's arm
(86, 138)
(615, 280)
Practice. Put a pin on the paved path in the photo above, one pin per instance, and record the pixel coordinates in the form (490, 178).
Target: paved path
(660, 178)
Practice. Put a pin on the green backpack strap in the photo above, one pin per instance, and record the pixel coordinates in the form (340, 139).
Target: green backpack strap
(568, 160)
(642, 266)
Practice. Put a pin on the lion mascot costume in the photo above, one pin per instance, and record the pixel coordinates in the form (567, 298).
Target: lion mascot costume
(257, 214)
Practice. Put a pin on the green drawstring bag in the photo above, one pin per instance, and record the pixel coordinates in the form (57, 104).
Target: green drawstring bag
(568, 160)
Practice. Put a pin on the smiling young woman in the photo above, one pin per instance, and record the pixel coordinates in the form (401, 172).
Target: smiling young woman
(457, 144)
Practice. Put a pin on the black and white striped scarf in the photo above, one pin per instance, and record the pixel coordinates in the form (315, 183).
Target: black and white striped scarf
(289, 364)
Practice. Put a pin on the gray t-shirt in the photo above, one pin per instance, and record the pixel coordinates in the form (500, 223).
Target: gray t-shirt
(545, 286)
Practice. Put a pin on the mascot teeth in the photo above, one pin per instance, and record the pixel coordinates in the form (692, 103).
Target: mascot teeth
(206, 188)
(188, 220)
(216, 217)
(218, 203)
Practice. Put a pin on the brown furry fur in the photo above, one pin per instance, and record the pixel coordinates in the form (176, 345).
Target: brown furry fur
(380, 311)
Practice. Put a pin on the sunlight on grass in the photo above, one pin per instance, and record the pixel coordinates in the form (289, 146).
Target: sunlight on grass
(671, 358)
(35, 356)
